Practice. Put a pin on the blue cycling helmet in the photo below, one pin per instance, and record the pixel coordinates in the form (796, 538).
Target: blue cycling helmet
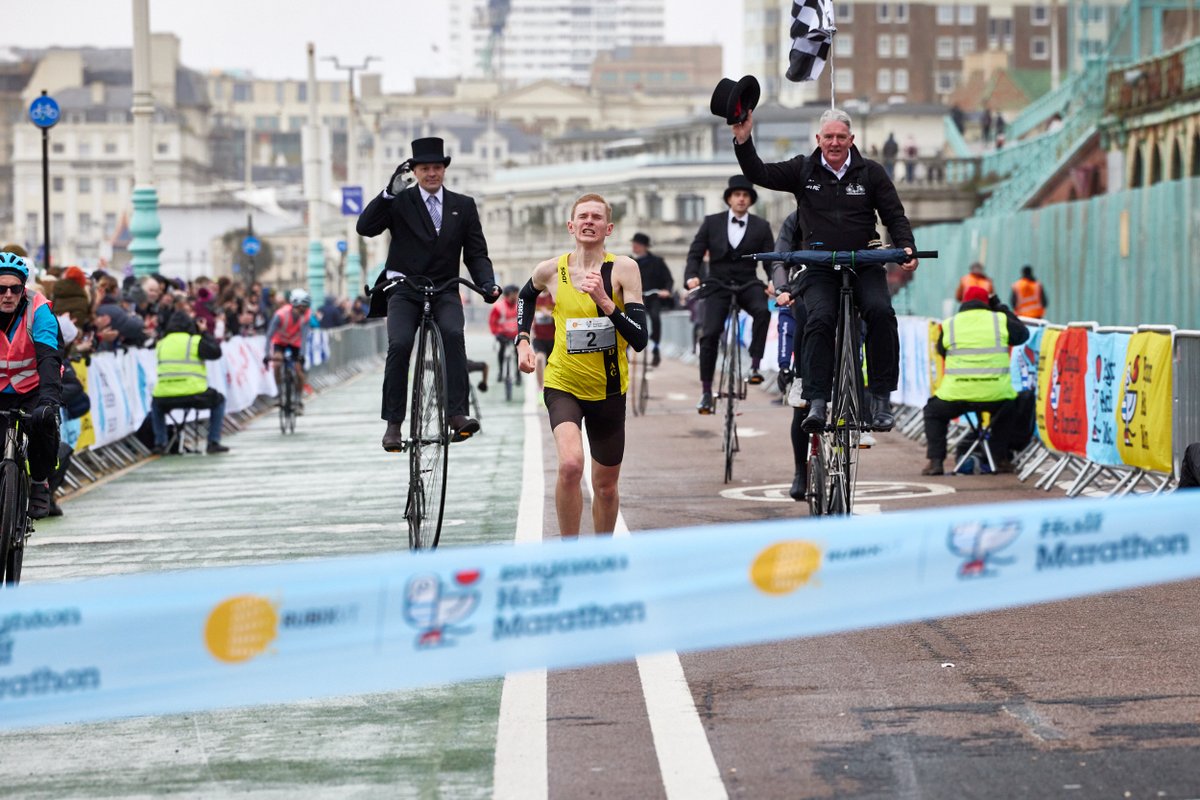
(13, 264)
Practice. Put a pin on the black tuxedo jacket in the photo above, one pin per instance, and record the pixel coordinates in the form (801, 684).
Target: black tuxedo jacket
(417, 248)
(724, 262)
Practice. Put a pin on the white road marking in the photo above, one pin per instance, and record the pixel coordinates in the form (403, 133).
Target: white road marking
(685, 759)
(876, 491)
(521, 770)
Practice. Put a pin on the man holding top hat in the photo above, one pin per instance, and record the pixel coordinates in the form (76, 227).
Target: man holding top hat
(433, 230)
(838, 194)
(726, 237)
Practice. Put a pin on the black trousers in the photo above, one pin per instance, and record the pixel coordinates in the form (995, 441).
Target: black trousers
(753, 301)
(403, 317)
(43, 440)
(1189, 467)
(939, 412)
(654, 312)
(820, 286)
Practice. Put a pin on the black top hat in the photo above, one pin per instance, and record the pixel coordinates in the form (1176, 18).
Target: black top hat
(734, 101)
(429, 151)
(642, 239)
(741, 182)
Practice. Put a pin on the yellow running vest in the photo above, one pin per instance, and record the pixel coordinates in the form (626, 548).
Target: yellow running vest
(588, 360)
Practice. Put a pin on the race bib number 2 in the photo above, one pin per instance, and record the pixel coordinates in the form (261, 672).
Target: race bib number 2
(590, 334)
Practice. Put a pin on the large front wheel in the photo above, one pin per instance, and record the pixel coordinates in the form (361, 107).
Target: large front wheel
(429, 443)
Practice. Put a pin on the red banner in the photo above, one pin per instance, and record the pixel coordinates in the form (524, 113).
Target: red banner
(1066, 404)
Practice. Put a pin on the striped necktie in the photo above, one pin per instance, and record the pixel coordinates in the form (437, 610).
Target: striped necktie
(435, 211)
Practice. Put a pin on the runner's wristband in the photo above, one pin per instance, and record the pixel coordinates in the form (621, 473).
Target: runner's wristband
(520, 337)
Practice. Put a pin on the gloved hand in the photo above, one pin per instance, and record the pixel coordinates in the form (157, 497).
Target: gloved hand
(491, 292)
(398, 183)
(266, 361)
(45, 416)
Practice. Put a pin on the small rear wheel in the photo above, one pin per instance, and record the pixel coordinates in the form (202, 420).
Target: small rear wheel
(818, 479)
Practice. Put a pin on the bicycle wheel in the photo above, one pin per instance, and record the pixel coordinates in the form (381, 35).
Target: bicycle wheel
(730, 380)
(818, 478)
(643, 395)
(506, 367)
(14, 519)
(429, 443)
(847, 415)
(285, 397)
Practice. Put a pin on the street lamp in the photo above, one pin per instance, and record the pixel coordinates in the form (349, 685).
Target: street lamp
(145, 225)
(353, 269)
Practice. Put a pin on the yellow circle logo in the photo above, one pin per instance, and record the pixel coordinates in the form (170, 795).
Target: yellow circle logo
(240, 628)
(785, 567)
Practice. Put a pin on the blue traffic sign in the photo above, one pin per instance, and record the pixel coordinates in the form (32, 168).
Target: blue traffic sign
(341, 245)
(251, 245)
(352, 201)
(43, 111)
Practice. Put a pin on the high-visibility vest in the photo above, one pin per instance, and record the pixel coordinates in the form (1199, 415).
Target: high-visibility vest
(18, 357)
(291, 329)
(977, 360)
(180, 371)
(1029, 299)
(971, 279)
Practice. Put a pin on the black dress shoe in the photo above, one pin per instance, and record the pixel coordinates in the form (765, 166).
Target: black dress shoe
(393, 437)
(882, 419)
(655, 359)
(818, 413)
(934, 467)
(463, 427)
(706, 405)
(755, 378)
(799, 490)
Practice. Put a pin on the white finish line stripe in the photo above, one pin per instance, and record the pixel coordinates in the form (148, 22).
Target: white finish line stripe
(521, 770)
(685, 760)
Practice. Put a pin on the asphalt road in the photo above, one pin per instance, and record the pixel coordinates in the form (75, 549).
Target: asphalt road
(1092, 698)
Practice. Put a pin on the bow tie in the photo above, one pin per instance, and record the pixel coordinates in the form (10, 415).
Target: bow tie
(737, 221)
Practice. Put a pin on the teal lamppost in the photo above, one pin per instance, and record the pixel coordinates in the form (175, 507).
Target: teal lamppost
(144, 225)
(312, 188)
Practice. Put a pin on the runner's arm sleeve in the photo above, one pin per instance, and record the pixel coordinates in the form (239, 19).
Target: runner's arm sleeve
(526, 301)
(631, 323)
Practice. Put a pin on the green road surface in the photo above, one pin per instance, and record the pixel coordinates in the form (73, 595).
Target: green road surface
(327, 490)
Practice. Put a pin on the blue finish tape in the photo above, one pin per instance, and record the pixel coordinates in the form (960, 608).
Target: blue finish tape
(184, 641)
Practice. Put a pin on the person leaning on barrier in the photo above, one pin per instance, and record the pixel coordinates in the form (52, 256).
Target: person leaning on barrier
(433, 229)
(976, 343)
(182, 351)
(31, 372)
(838, 195)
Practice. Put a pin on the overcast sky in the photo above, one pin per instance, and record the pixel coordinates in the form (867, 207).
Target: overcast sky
(268, 37)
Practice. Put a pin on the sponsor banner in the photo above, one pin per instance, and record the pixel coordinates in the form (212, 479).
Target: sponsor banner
(1106, 357)
(1045, 369)
(87, 432)
(915, 362)
(1144, 414)
(112, 418)
(193, 640)
(1066, 407)
(937, 361)
(1024, 360)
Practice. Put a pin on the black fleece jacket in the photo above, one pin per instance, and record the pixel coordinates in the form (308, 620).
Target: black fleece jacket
(839, 214)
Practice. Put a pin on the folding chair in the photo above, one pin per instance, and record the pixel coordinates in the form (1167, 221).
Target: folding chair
(981, 429)
(183, 413)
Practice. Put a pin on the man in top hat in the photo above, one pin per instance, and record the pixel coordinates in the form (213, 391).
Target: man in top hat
(657, 284)
(726, 237)
(838, 195)
(433, 230)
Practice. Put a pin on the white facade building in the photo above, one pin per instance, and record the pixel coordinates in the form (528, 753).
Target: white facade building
(547, 39)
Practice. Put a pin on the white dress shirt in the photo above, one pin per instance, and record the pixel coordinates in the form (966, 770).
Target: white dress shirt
(736, 231)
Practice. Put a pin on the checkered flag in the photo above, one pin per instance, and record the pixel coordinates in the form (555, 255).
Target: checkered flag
(812, 31)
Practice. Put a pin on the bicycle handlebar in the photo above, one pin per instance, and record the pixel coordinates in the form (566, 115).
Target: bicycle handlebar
(842, 257)
(424, 285)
